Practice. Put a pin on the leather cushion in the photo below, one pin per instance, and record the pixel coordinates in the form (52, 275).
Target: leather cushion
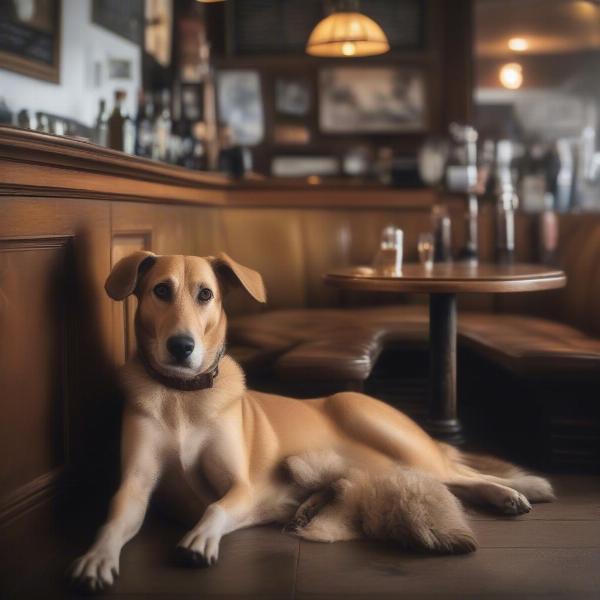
(344, 344)
(529, 345)
(340, 344)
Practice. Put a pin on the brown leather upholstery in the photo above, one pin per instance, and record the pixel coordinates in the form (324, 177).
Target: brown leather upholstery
(531, 346)
(343, 344)
(337, 344)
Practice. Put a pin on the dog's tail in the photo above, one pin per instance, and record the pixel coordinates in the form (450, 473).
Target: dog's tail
(535, 488)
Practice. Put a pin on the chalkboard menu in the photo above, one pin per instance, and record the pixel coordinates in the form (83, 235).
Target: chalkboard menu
(30, 37)
(283, 26)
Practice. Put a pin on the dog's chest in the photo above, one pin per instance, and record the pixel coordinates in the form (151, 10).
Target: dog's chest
(187, 439)
(188, 443)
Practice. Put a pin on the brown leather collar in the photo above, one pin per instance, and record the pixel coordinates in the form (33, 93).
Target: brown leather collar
(201, 381)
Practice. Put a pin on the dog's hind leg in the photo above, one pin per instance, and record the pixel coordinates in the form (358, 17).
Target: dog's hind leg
(495, 470)
(309, 509)
(489, 494)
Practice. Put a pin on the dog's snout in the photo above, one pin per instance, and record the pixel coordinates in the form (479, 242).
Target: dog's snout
(180, 347)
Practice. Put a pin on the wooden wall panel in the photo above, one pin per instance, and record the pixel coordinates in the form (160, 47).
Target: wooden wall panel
(270, 241)
(36, 352)
(55, 342)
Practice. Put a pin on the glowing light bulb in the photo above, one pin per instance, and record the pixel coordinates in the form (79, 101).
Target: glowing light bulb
(518, 44)
(348, 49)
(511, 76)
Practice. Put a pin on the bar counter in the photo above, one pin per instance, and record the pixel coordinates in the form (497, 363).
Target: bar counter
(46, 164)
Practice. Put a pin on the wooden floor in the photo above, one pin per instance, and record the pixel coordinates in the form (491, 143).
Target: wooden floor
(553, 552)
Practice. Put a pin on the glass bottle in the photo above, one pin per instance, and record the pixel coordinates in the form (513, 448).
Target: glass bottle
(143, 126)
(100, 133)
(162, 129)
(116, 122)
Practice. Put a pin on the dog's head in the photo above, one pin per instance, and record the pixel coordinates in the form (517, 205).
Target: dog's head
(180, 321)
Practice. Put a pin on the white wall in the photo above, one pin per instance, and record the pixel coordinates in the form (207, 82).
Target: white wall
(77, 95)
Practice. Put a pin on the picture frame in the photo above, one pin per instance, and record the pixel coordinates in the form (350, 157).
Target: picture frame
(126, 19)
(377, 99)
(293, 96)
(240, 105)
(30, 38)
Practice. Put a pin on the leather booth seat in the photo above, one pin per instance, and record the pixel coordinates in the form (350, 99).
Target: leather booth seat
(324, 344)
(531, 346)
(344, 344)
(552, 334)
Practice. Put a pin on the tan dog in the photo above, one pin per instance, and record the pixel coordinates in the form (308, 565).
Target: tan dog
(241, 457)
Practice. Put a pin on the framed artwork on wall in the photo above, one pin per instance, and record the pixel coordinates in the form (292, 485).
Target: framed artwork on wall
(123, 18)
(293, 96)
(240, 105)
(377, 99)
(30, 38)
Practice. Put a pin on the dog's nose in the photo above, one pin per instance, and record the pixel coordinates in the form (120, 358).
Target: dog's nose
(180, 347)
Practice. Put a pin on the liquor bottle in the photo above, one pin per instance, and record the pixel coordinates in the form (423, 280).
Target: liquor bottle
(143, 126)
(6, 115)
(116, 122)
(128, 135)
(507, 202)
(162, 129)
(100, 133)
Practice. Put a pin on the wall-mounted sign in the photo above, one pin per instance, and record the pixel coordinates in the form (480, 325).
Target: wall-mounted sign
(30, 37)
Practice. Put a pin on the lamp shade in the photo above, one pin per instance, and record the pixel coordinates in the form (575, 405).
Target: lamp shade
(347, 34)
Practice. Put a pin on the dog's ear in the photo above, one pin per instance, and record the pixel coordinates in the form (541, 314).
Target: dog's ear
(124, 277)
(231, 272)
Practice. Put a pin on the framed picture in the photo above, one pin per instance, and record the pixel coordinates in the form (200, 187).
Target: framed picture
(119, 68)
(30, 38)
(123, 18)
(239, 105)
(374, 99)
(293, 96)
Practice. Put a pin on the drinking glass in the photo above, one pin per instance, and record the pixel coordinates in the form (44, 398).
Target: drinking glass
(425, 247)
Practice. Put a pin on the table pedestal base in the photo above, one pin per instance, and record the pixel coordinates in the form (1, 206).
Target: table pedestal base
(443, 422)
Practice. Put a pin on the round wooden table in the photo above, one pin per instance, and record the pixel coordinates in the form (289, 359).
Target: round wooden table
(442, 283)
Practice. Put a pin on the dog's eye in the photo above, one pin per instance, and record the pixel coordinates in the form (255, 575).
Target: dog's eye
(204, 295)
(162, 291)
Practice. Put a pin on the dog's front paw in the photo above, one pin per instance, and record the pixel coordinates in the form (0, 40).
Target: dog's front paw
(94, 571)
(200, 547)
(515, 504)
(198, 550)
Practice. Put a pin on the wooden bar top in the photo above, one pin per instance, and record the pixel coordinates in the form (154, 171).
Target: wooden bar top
(34, 163)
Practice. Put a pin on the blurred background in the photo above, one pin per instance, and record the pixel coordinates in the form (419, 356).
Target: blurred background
(192, 80)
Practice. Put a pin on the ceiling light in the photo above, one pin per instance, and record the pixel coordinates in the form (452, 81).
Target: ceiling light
(511, 76)
(518, 44)
(347, 33)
